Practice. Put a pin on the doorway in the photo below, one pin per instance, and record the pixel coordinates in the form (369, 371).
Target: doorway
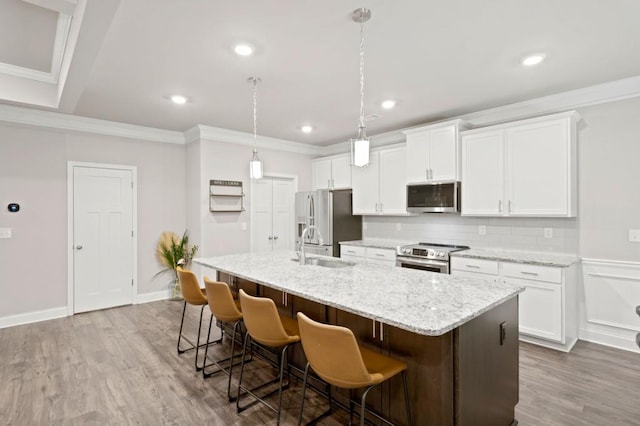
(272, 213)
(102, 259)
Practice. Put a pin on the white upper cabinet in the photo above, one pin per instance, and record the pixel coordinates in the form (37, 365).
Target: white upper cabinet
(433, 152)
(526, 168)
(380, 188)
(331, 172)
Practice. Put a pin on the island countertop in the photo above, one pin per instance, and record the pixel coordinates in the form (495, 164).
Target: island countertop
(421, 302)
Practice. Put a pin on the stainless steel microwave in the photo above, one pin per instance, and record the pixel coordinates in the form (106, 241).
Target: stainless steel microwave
(437, 197)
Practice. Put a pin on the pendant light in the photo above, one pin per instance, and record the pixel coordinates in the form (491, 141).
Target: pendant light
(255, 165)
(360, 145)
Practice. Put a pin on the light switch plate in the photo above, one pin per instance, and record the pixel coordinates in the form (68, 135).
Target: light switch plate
(5, 232)
(482, 229)
(548, 232)
(243, 226)
(634, 235)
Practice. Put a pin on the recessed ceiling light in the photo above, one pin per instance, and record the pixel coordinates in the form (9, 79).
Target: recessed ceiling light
(178, 99)
(532, 60)
(306, 128)
(388, 104)
(244, 49)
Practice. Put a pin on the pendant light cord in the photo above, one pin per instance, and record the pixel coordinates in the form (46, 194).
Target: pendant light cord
(362, 74)
(255, 114)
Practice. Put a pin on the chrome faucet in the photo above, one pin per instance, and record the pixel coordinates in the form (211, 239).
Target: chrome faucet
(305, 231)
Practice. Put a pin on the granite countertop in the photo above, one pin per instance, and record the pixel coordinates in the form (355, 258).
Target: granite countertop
(383, 244)
(518, 256)
(422, 302)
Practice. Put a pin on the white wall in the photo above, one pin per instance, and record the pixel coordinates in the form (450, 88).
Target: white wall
(222, 233)
(33, 172)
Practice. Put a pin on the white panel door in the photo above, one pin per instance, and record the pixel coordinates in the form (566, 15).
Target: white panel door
(261, 215)
(393, 181)
(102, 238)
(483, 174)
(272, 214)
(443, 154)
(283, 223)
(417, 157)
(538, 169)
(365, 187)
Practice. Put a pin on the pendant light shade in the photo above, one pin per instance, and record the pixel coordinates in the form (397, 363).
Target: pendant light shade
(255, 165)
(360, 145)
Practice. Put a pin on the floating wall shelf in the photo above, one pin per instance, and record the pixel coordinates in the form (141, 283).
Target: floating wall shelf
(226, 196)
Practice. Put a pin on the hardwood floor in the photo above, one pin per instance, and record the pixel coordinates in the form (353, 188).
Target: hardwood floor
(119, 366)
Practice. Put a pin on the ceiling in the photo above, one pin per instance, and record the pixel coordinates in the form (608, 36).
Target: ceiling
(436, 59)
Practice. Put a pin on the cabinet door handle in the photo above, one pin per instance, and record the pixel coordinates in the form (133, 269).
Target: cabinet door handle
(509, 206)
(379, 255)
(533, 274)
(499, 206)
(333, 183)
(473, 266)
(350, 251)
(381, 209)
(381, 332)
(431, 174)
(376, 207)
(426, 172)
(373, 328)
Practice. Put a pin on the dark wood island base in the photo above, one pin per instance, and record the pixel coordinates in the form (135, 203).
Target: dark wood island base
(468, 376)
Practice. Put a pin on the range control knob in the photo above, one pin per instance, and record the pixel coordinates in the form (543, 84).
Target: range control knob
(431, 253)
(440, 254)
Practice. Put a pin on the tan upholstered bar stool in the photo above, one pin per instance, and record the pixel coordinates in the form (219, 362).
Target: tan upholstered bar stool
(334, 354)
(193, 295)
(268, 328)
(226, 310)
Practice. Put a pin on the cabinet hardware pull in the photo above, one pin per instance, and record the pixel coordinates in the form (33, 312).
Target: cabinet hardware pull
(509, 206)
(333, 183)
(381, 207)
(379, 255)
(499, 206)
(426, 172)
(529, 273)
(350, 251)
(431, 174)
(373, 327)
(381, 332)
(473, 266)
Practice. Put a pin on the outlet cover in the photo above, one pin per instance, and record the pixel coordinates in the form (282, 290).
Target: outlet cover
(482, 229)
(548, 232)
(398, 227)
(5, 232)
(243, 226)
(634, 235)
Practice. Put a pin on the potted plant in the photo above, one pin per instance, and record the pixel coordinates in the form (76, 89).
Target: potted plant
(173, 251)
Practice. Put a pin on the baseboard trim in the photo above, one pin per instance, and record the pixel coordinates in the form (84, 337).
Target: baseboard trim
(154, 296)
(31, 317)
(608, 339)
(566, 347)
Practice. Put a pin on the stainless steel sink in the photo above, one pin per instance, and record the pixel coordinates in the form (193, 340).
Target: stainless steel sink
(326, 262)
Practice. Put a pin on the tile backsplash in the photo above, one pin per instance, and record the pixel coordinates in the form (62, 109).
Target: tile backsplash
(557, 235)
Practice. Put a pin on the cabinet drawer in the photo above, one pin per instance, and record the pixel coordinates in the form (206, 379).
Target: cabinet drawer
(381, 254)
(475, 265)
(352, 251)
(381, 262)
(532, 272)
(354, 259)
(461, 273)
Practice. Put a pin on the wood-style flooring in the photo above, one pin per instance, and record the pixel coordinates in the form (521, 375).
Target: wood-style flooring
(119, 366)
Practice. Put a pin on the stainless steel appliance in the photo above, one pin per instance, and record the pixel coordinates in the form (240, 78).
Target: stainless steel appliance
(426, 256)
(331, 212)
(437, 197)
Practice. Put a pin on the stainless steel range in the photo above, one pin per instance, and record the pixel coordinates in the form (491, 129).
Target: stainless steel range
(426, 256)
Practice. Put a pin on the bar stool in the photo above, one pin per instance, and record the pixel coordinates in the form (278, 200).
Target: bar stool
(334, 354)
(193, 295)
(268, 328)
(226, 310)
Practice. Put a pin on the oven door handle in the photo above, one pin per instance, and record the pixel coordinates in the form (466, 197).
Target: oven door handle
(421, 262)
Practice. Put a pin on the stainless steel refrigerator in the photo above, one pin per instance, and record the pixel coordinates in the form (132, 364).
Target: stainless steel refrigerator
(331, 211)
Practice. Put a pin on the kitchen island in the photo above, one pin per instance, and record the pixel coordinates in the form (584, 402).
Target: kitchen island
(458, 335)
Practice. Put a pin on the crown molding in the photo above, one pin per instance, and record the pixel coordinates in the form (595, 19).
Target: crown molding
(56, 120)
(240, 138)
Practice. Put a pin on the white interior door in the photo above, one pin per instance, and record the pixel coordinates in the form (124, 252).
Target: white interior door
(272, 214)
(102, 238)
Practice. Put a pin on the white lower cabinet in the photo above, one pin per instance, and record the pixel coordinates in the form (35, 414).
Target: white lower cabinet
(548, 306)
(370, 255)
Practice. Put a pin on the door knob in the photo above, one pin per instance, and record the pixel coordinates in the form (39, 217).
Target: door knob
(78, 247)
(270, 237)
(275, 237)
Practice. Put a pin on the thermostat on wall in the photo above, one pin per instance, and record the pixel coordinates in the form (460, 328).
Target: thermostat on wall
(13, 207)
